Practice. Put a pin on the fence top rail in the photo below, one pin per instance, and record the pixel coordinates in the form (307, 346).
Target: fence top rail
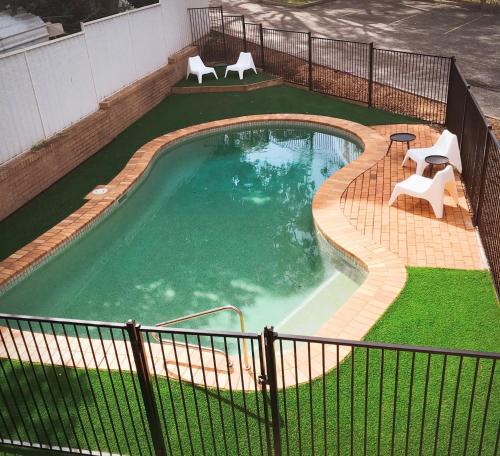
(205, 8)
(39, 45)
(388, 346)
(284, 30)
(361, 43)
(199, 332)
(443, 57)
(63, 321)
(123, 13)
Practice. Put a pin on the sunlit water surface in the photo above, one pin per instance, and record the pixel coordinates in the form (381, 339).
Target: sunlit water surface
(224, 218)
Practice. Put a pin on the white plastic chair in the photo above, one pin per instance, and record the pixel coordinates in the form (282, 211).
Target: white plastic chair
(446, 145)
(198, 68)
(245, 62)
(431, 190)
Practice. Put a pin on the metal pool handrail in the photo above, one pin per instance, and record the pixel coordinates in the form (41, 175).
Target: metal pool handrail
(209, 312)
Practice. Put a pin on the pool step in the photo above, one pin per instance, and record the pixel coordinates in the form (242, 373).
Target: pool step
(179, 361)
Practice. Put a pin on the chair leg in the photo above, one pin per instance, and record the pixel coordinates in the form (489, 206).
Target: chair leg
(407, 156)
(254, 69)
(240, 72)
(200, 78)
(215, 74)
(421, 165)
(395, 193)
(225, 75)
(438, 208)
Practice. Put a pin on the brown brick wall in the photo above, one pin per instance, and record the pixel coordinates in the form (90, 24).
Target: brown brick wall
(27, 175)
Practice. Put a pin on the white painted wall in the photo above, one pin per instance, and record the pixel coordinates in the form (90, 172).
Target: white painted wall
(46, 88)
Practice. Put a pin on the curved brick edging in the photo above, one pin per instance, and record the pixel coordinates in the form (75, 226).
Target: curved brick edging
(182, 90)
(386, 272)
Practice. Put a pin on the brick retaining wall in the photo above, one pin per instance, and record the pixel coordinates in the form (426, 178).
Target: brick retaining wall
(24, 177)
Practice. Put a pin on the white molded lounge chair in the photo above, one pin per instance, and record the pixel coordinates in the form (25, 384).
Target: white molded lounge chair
(245, 62)
(198, 68)
(446, 145)
(431, 190)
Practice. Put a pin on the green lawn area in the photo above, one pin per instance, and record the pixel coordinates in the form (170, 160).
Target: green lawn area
(438, 307)
(176, 111)
(232, 78)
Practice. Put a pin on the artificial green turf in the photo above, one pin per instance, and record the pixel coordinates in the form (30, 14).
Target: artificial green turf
(445, 308)
(175, 112)
(232, 78)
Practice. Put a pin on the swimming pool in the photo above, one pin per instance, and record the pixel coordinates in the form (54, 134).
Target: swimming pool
(221, 218)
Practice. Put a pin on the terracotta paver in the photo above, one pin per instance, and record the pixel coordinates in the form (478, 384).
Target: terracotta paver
(409, 228)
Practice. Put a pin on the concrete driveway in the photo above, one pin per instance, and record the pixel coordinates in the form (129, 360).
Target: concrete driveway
(473, 36)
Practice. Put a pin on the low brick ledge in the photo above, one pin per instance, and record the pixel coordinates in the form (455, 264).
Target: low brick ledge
(227, 89)
(386, 274)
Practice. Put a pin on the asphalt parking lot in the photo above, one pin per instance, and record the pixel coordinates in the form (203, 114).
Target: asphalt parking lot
(442, 28)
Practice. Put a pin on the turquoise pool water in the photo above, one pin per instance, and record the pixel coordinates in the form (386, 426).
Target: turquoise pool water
(222, 218)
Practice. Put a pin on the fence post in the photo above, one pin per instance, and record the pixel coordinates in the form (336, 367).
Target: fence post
(486, 155)
(261, 34)
(309, 58)
(244, 33)
(370, 74)
(269, 338)
(141, 364)
(223, 33)
(450, 74)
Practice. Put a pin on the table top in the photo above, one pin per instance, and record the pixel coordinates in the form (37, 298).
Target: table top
(437, 160)
(402, 137)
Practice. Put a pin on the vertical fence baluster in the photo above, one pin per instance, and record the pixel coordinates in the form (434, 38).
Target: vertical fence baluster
(370, 74)
(261, 36)
(309, 58)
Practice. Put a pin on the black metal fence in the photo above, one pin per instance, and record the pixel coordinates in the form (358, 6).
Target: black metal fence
(423, 86)
(401, 82)
(107, 388)
(480, 153)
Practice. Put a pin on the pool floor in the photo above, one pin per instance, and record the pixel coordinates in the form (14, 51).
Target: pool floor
(221, 219)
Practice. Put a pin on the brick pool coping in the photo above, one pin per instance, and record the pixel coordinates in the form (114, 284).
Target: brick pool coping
(386, 273)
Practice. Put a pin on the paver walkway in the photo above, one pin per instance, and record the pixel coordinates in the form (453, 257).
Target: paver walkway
(409, 228)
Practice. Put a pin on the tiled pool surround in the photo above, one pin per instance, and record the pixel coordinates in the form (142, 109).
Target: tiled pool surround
(386, 274)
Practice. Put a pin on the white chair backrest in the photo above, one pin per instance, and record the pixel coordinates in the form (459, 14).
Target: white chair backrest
(442, 177)
(245, 58)
(444, 140)
(196, 62)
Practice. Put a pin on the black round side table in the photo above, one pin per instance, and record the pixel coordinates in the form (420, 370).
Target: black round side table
(436, 160)
(401, 137)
